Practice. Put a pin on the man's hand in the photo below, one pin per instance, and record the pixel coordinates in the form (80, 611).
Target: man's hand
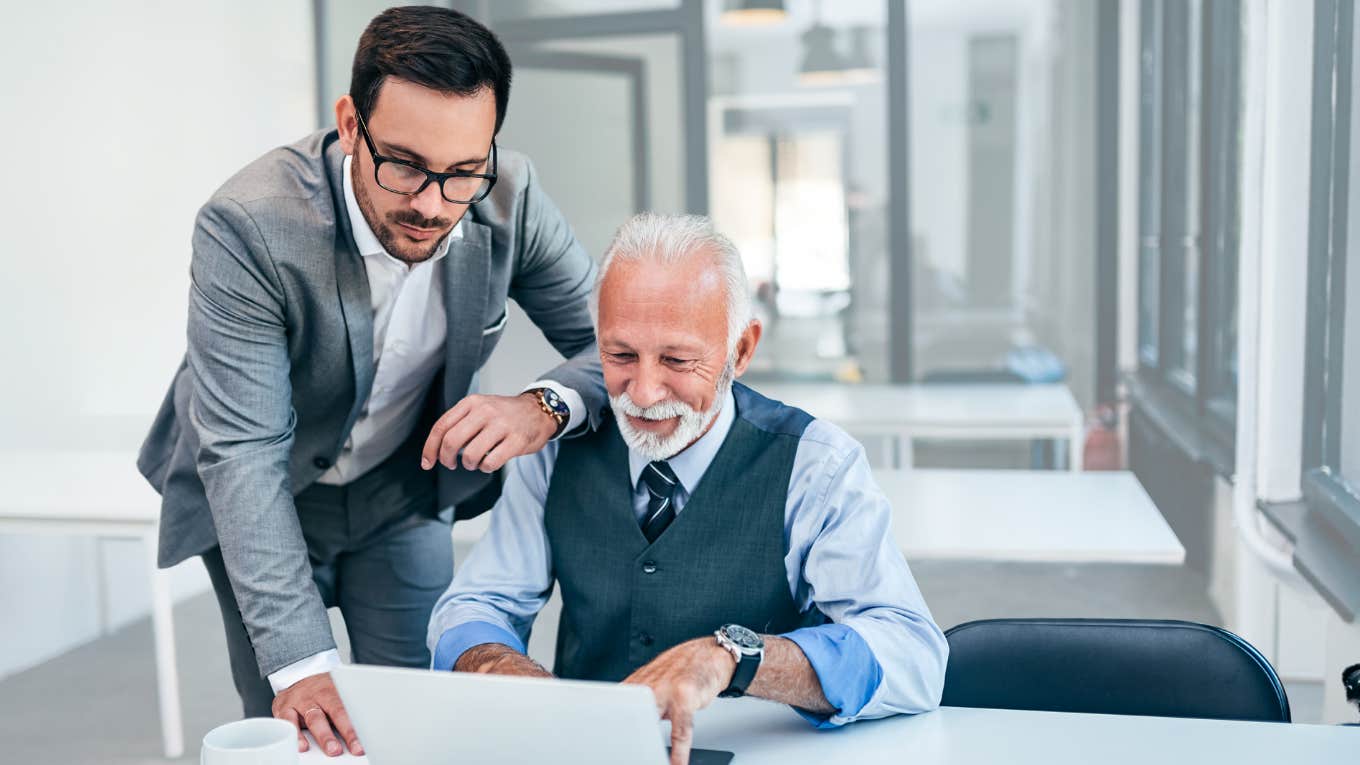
(497, 659)
(489, 430)
(314, 702)
(685, 679)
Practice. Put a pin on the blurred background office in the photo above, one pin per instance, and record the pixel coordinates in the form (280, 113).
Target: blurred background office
(1140, 205)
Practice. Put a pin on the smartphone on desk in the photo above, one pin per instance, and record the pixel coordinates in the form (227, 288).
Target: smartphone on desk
(707, 756)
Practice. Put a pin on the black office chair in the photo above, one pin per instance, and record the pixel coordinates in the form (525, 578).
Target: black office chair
(1111, 666)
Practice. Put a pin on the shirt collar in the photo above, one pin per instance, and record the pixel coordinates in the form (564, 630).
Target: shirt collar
(364, 239)
(691, 464)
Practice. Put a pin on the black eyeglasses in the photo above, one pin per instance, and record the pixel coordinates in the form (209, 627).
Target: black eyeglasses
(401, 177)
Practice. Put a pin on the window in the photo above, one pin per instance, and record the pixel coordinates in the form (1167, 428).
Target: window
(1223, 99)
(1150, 175)
(1331, 447)
(798, 180)
(1189, 108)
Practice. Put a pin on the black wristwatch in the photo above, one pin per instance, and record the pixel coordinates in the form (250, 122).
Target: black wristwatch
(748, 648)
(552, 405)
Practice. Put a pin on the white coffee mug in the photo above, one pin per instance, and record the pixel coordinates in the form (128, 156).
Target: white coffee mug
(254, 741)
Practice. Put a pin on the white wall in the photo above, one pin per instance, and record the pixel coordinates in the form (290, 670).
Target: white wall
(120, 120)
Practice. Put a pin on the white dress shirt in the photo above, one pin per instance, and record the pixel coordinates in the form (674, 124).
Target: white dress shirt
(409, 330)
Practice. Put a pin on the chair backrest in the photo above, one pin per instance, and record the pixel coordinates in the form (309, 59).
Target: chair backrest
(1111, 666)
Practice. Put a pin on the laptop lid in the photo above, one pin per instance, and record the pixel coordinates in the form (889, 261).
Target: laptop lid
(434, 718)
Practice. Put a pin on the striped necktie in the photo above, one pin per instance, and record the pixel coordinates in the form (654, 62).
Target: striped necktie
(661, 483)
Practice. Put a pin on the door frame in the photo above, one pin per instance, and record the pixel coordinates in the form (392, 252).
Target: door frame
(635, 71)
(686, 21)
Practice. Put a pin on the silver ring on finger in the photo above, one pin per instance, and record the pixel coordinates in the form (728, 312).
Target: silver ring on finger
(314, 709)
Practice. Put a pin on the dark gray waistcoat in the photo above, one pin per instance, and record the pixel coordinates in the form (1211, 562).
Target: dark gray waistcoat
(722, 559)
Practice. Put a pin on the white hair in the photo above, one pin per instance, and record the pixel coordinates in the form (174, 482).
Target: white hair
(671, 239)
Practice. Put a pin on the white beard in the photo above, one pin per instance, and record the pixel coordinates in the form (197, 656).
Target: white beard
(655, 447)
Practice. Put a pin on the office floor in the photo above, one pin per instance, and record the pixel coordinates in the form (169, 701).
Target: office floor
(97, 703)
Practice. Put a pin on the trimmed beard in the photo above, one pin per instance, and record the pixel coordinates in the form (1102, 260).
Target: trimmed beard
(655, 447)
(383, 231)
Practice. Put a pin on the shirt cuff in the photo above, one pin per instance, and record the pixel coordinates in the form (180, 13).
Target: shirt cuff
(315, 664)
(845, 666)
(571, 398)
(457, 640)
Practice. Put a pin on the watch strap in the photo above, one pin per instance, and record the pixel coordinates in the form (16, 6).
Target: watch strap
(742, 676)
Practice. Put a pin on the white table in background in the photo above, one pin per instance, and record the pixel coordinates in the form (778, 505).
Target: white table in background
(760, 733)
(943, 411)
(1048, 516)
(98, 494)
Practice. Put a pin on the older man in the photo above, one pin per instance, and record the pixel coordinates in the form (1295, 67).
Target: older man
(707, 540)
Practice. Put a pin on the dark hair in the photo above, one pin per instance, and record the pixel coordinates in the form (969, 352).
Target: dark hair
(437, 48)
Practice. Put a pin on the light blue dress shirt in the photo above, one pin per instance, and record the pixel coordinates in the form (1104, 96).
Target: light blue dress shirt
(882, 653)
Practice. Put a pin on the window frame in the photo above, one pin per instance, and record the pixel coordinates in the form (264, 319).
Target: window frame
(1196, 401)
(1328, 545)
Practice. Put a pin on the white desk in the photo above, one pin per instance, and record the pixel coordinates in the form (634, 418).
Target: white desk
(98, 494)
(943, 411)
(1010, 515)
(1027, 515)
(761, 733)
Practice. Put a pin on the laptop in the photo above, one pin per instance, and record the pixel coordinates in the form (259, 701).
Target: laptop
(456, 718)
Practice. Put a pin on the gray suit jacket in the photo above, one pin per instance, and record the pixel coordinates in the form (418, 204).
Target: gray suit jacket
(280, 362)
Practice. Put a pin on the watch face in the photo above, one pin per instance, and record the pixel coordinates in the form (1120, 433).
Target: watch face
(554, 401)
(742, 637)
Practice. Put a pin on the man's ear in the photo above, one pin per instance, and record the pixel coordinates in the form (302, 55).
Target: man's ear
(347, 124)
(746, 346)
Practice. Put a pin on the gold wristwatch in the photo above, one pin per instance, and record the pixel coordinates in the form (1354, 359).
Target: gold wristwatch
(553, 406)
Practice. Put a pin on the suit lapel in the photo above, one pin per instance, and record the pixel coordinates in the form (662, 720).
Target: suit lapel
(467, 277)
(356, 303)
